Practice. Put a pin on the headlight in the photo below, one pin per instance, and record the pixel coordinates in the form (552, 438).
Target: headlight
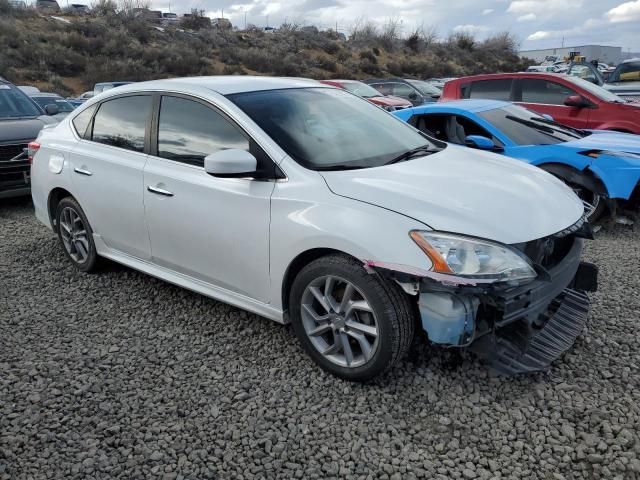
(473, 258)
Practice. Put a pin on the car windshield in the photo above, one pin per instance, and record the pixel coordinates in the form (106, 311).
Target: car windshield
(626, 72)
(596, 90)
(15, 104)
(329, 129)
(425, 88)
(62, 104)
(361, 89)
(525, 127)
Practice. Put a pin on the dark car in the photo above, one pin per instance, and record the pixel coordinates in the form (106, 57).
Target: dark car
(49, 6)
(44, 99)
(418, 92)
(386, 102)
(20, 122)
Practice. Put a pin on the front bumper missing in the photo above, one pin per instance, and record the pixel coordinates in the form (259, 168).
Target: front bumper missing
(516, 330)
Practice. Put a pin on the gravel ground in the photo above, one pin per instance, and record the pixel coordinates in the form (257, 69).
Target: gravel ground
(121, 375)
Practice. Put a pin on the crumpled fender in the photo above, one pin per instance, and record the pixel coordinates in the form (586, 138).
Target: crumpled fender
(620, 175)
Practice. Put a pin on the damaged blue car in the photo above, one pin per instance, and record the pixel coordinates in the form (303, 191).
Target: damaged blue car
(603, 167)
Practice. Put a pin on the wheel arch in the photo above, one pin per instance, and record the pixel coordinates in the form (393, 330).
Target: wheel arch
(297, 264)
(585, 177)
(55, 196)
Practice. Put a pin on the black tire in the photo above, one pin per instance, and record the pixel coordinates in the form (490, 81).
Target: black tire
(585, 187)
(90, 263)
(391, 307)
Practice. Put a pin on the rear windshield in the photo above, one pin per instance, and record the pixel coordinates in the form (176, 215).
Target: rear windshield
(62, 104)
(15, 104)
(626, 72)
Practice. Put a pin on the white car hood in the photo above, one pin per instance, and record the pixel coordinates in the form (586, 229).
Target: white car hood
(468, 192)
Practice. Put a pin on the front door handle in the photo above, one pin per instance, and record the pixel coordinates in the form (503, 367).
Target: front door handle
(160, 191)
(82, 171)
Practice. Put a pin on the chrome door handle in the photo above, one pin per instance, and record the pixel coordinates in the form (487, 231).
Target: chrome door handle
(82, 171)
(160, 191)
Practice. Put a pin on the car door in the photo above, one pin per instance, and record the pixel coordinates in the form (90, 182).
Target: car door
(548, 97)
(213, 229)
(107, 168)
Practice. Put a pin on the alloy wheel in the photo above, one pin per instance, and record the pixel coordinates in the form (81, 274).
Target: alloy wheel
(339, 321)
(74, 235)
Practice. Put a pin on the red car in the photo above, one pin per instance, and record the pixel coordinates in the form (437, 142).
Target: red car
(365, 91)
(569, 100)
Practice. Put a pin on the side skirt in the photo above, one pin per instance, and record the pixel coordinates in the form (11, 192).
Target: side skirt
(190, 283)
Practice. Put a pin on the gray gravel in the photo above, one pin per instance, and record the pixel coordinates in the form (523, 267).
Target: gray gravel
(121, 375)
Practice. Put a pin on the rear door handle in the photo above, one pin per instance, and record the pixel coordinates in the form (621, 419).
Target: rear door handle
(160, 191)
(82, 171)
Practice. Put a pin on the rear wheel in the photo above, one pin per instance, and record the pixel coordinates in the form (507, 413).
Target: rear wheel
(75, 235)
(352, 324)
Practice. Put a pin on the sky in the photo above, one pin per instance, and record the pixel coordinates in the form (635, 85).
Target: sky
(536, 23)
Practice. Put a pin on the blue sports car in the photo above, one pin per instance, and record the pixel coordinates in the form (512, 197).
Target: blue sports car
(603, 167)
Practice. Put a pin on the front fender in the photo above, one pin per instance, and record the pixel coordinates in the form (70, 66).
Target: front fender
(620, 175)
(364, 231)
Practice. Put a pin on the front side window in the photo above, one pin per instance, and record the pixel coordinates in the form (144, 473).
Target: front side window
(596, 90)
(15, 104)
(330, 129)
(122, 122)
(498, 89)
(525, 127)
(188, 131)
(543, 91)
(425, 88)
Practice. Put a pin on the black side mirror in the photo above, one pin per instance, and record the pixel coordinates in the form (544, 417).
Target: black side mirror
(51, 109)
(413, 96)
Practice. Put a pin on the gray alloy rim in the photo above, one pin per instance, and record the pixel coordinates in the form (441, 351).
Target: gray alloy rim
(339, 321)
(74, 235)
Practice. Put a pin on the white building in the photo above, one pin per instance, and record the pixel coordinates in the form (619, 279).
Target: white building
(602, 53)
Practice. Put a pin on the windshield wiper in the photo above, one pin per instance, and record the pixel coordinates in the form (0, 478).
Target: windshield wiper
(416, 152)
(338, 167)
(544, 126)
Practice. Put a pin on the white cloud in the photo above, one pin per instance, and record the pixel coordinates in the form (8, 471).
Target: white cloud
(487, 11)
(540, 35)
(548, 7)
(625, 12)
(529, 17)
(472, 29)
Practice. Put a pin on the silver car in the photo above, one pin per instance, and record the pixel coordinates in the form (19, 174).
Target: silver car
(304, 203)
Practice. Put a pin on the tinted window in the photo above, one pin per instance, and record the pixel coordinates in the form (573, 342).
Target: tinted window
(122, 122)
(188, 131)
(81, 121)
(383, 88)
(15, 104)
(402, 90)
(327, 129)
(524, 127)
(63, 105)
(499, 89)
(543, 91)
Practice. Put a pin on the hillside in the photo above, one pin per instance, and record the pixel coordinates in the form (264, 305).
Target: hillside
(69, 55)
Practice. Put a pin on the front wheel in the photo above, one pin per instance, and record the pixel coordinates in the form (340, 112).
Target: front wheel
(353, 324)
(596, 202)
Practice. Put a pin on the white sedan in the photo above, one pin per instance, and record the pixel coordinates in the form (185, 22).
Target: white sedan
(306, 204)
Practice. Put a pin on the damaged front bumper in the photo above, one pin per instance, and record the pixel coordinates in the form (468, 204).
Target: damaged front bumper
(515, 329)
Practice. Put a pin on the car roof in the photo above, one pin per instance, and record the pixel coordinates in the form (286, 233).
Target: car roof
(44, 94)
(225, 84)
(511, 75)
(471, 105)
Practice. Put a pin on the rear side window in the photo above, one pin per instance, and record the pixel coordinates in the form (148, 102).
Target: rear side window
(498, 89)
(81, 122)
(543, 91)
(188, 131)
(122, 122)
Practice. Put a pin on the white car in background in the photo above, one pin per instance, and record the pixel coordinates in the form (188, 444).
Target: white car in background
(304, 203)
